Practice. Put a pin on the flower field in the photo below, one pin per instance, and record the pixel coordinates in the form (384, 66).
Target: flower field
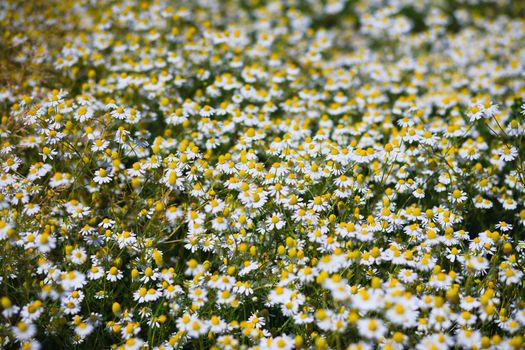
(262, 174)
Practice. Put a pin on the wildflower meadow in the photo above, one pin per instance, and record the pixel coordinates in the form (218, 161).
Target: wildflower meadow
(262, 174)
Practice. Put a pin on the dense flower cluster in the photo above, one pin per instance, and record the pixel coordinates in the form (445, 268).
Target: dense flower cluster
(262, 174)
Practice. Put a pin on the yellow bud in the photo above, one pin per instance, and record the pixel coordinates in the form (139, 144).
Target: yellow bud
(376, 283)
(116, 308)
(6, 303)
(298, 341)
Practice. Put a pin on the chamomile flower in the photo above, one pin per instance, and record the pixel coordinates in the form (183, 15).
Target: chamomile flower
(113, 274)
(371, 328)
(24, 331)
(275, 221)
(102, 176)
